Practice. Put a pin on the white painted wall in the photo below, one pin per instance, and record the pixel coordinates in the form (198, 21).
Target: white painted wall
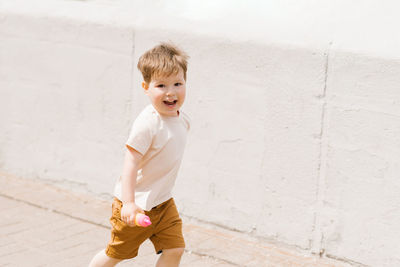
(295, 109)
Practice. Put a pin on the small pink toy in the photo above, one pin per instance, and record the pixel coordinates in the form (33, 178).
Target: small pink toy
(142, 220)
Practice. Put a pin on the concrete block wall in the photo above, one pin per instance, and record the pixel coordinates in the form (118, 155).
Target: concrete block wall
(295, 125)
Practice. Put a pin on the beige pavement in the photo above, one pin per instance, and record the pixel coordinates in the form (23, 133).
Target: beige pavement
(43, 225)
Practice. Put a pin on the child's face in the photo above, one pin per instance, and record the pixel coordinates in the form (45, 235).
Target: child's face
(167, 94)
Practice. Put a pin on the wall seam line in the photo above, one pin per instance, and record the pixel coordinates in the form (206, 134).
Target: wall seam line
(317, 242)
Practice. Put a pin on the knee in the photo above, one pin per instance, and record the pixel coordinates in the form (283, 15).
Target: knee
(174, 253)
(102, 259)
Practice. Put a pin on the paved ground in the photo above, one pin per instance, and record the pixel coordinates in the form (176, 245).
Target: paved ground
(42, 225)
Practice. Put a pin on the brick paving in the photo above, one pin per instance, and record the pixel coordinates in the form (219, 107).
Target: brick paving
(43, 225)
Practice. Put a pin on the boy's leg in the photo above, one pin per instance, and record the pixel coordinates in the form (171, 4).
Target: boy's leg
(102, 260)
(170, 257)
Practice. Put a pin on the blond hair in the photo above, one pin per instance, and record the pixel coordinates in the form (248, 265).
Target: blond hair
(162, 61)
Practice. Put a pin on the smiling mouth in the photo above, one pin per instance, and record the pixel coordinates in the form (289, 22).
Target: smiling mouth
(170, 103)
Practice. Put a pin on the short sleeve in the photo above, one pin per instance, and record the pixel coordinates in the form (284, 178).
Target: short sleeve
(142, 131)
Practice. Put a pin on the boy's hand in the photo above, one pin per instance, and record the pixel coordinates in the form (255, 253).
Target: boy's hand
(128, 213)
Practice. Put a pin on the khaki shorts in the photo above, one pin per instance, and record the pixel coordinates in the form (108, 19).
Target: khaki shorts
(165, 232)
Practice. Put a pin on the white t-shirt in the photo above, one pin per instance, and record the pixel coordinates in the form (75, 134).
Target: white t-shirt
(161, 140)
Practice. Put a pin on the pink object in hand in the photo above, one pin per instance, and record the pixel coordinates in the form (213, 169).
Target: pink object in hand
(142, 220)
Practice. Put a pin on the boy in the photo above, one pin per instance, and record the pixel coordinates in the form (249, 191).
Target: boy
(154, 152)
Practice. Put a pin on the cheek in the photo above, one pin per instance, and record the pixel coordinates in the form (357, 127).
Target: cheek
(157, 96)
(182, 94)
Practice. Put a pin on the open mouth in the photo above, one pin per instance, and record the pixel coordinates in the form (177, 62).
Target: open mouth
(170, 103)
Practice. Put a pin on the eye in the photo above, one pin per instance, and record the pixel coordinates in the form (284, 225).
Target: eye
(160, 85)
(178, 84)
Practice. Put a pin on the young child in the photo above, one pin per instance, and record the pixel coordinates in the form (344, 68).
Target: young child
(154, 152)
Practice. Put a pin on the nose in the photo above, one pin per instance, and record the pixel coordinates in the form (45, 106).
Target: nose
(170, 91)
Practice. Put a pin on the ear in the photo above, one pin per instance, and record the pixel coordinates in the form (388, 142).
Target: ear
(145, 85)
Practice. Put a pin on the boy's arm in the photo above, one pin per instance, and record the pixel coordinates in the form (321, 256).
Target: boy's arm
(128, 183)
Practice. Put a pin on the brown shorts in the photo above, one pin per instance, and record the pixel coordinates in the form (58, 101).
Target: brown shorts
(165, 232)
